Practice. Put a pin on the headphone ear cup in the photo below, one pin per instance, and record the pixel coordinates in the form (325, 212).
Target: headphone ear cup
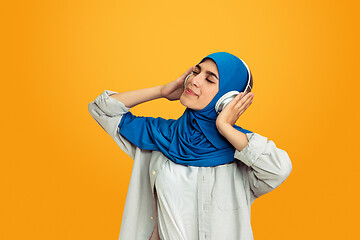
(187, 78)
(225, 100)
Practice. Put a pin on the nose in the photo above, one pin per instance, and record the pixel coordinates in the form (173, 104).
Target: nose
(194, 80)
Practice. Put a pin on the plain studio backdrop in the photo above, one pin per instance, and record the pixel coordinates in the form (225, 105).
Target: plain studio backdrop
(64, 178)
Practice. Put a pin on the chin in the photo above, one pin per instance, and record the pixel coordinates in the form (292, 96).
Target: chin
(183, 101)
(188, 103)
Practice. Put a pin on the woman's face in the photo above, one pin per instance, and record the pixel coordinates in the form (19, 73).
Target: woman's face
(202, 86)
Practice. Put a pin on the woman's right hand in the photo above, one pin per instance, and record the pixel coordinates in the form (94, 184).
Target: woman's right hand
(173, 90)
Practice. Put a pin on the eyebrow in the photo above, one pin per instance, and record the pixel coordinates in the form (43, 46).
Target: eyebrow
(208, 72)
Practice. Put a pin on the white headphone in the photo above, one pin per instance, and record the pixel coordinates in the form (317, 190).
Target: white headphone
(229, 96)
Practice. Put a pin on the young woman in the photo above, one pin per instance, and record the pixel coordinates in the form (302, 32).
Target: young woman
(195, 177)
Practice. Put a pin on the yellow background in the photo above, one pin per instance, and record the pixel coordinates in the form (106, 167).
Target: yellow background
(62, 177)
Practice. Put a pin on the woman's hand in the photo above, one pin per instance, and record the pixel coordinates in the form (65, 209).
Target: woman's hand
(231, 113)
(173, 90)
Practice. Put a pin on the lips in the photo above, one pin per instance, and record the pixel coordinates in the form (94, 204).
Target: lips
(190, 92)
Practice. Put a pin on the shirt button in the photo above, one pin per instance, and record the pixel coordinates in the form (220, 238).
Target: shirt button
(152, 218)
(153, 172)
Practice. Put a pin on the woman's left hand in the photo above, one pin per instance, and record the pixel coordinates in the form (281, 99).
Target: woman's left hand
(231, 113)
(173, 90)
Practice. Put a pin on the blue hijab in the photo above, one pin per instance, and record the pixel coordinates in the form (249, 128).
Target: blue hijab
(193, 139)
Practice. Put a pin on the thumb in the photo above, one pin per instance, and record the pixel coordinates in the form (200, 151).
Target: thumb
(182, 78)
(187, 72)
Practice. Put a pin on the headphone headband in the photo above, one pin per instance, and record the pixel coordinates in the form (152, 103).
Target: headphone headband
(249, 76)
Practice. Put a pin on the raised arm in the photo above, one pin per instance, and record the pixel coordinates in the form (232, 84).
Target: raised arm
(171, 91)
(133, 98)
(107, 112)
(227, 118)
(109, 107)
(267, 165)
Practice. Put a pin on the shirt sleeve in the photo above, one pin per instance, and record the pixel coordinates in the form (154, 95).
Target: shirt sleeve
(107, 112)
(267, 165)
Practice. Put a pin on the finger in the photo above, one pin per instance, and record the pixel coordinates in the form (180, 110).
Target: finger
(231, 104)
(248, 96)
(248, 100)
(240, 99)
(243, 102)
(188, 71)
(182, 78)
(184, 75)
(239, 96)
(239, 111)
(236, 100)
(245, 97)
(247, 104)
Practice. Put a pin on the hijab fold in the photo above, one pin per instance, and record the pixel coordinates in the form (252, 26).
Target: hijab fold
(192, 139)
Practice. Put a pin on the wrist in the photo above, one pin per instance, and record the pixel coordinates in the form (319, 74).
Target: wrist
(237, 138)
(223, 128)
(163, 91)
(158, 90)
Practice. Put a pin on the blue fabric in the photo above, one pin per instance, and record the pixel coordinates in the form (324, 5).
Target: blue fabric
(193, 139)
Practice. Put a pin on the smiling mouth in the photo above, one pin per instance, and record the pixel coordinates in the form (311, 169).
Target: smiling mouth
(190, 92)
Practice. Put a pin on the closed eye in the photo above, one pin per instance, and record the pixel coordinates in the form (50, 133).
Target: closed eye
(206, 78)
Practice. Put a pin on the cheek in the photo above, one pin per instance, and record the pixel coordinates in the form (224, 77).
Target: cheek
(211, 94)
(214, 91)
